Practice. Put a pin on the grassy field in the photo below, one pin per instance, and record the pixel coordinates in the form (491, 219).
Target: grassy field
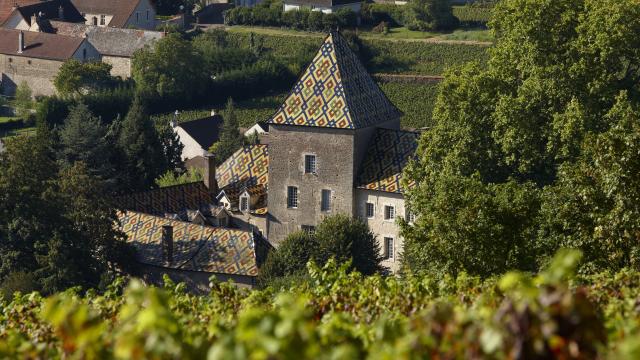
(378, 55)
(395, 33)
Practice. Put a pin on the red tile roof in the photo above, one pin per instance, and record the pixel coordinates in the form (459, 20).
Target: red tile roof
(39, 45)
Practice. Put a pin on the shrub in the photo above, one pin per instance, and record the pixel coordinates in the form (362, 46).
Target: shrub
(18, 281)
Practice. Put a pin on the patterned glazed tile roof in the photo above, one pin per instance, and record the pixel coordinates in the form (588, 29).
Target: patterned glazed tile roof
(246, 168)
(172, 199)
(389, 152)
(196, 247)
(335, 91)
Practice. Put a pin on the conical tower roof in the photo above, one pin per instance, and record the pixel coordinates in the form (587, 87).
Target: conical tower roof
(335, 91)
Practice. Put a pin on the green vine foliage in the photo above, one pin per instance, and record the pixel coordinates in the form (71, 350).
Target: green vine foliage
(338, 315)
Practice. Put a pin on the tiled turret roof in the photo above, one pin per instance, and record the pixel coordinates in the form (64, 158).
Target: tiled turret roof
(335, 91)
(389, 152)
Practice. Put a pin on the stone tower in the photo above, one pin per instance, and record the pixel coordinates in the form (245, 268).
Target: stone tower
(318, 139)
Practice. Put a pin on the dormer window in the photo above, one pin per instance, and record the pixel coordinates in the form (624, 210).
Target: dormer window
(310, 164)
(244, 203)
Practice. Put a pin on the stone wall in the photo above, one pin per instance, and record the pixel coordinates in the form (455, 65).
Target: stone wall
(120, 66)
(334, 150)
(383, 228)
(37, 73)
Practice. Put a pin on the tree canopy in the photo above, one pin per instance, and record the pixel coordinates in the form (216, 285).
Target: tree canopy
(496, 184)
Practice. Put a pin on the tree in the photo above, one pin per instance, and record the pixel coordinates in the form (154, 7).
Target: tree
(84, 138)
(141, 148)
(23, 101)
(170, 178)
(337, 237)
(77, 78)
(429, 15)
(594, 204)
(172, 147)
(171, 70)
(502, 133)
(56, 227)
(290, 258)
(230, 137)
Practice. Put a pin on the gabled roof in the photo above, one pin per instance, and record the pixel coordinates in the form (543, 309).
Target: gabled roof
(335, 91)
(171, 199)
(204, 131)
(247, 167)
(389, 152)
(196, 247)
(108, 40)
(49, 10)
(8, 6)
(121, 10)
(39, 45)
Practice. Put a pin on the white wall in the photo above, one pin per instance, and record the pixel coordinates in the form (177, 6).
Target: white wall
(191, 147)
(143, 17)
(16, 21)
(383, 228)
(89, 19)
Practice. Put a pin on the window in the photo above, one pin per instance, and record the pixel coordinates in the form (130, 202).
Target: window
(244, 204)
(147, 15)
(411, 217)
(389, 212)
(325, 204)
(309, 164)
(369, 210)
(84, 54)
(292, 197)
(103, 20)
(388, 248)
(308, 229)
(95, 21)
(29, 62)
(137, 16)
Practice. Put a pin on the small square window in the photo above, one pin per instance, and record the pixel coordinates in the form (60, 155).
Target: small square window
(310, 164)
(308, 229)
(292, 197)
(325, 204)
(389, 212)
(388, 248)
(244, 204)
(369, 210)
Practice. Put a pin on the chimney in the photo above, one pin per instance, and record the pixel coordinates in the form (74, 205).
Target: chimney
(61, 13)
(210, 174)
(167, 243)
(20, 42)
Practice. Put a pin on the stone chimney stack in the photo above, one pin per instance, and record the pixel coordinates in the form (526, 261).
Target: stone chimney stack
(210, 174)
(20, 42)
(167, 243)
(61, 13)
